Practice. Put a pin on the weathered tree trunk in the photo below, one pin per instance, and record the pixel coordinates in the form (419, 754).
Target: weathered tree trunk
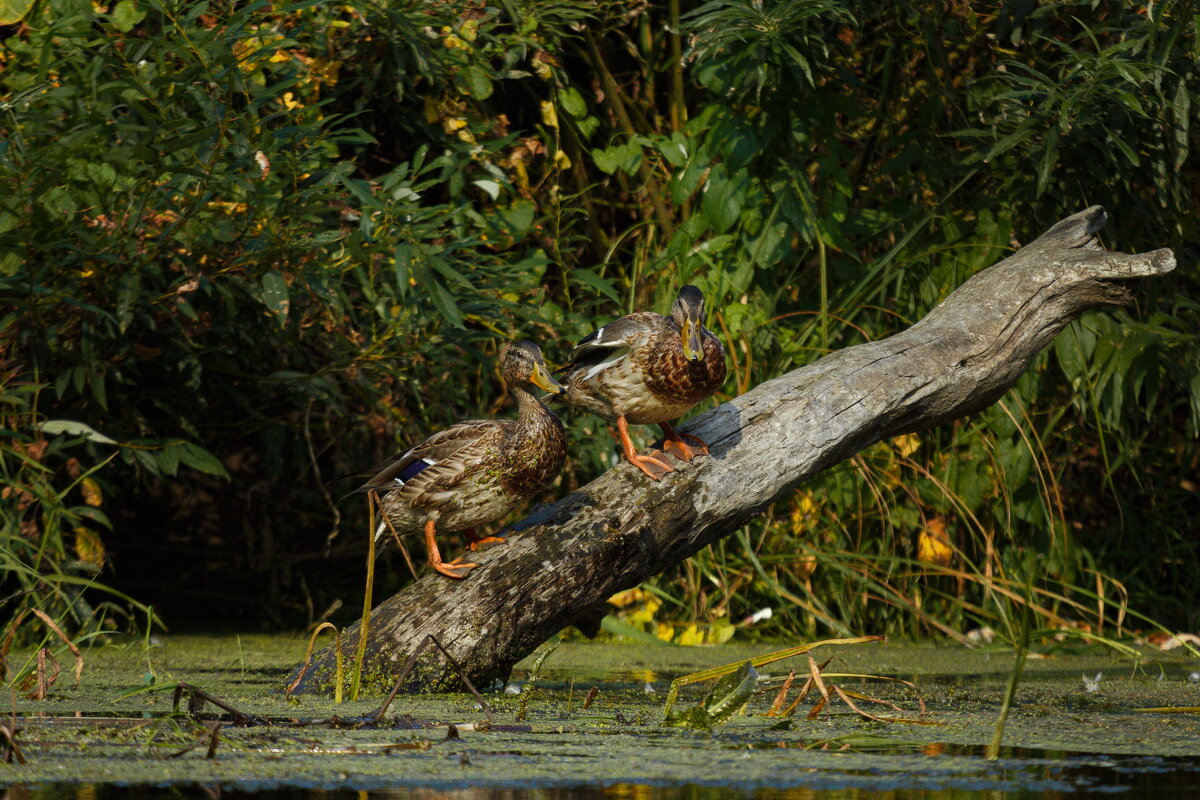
(567, 558)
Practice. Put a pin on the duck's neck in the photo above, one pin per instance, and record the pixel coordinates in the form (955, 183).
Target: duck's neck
(531, 413)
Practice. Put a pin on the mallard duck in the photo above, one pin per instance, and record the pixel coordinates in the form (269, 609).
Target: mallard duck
(648, 369)
(476, 471)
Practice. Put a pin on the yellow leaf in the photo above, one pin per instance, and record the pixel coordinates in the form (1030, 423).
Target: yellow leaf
(562, 160)
(627, 597)
(645, 614)
(431, 109)
(907, 444)
(89, 548)
(720, 631)
(692, 635)
(91, 493)
(933, 545)
(664, 631)
(549, 115)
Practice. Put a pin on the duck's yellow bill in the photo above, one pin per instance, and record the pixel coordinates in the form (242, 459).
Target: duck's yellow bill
(545, 381)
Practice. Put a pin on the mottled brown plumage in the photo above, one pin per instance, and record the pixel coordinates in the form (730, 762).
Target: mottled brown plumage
(476, 471)
(645, 368)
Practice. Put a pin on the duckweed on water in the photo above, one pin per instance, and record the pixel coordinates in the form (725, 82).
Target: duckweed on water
(104, 733)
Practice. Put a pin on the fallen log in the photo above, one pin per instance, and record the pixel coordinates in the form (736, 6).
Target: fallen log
(566, 558)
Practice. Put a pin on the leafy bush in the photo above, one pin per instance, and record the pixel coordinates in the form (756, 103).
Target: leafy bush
(259, 246)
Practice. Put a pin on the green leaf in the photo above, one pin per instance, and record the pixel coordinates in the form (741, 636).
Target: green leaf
(673, 150)
(168, 458)
(403, 268)
(608, 159)
(722, 202)
(588, 126)
(728, 695)
(445, 303)
(94, 514)
(201, 460)
(275, 296)
(518, 217)
(685, 182)
(732, 692)
(572, 102)
(127, 295)
(126, 15)
(626, 156)
(101, 173)
(69, 427)
(491, 187)
(12, 11)
(59, 202)
(601, 285)
(476, 82)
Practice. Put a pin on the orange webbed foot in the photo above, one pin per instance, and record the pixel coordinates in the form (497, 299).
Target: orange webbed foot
(454, 569)
(654, 468)
(474, 545)
(683, 446)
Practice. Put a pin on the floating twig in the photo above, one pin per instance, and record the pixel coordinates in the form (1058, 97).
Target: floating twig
(197, 697)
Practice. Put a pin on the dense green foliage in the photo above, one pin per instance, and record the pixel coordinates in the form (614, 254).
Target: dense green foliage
(253, 247)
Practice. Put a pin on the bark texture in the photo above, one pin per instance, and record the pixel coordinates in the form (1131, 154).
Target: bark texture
(565, 559)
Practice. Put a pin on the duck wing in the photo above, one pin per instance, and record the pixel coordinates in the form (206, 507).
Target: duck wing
(424, 474)
(608, 345)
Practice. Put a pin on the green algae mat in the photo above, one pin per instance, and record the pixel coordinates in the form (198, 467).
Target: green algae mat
(594, 717)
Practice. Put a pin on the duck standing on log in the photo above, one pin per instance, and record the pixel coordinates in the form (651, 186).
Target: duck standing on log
(476, 471)
(649, 369)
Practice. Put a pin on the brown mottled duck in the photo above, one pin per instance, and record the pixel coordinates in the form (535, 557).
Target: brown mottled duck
(649, 369)
(476, 471)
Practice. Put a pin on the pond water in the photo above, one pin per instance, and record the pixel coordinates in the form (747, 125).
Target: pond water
(1067, 737)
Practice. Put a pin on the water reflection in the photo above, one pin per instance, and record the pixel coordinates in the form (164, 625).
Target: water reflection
(1135, 778)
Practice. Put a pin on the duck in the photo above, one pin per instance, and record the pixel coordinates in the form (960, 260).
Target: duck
(476, 471)
(648, 369)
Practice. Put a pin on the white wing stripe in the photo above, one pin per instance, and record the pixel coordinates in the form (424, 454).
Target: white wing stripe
(610, 361)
